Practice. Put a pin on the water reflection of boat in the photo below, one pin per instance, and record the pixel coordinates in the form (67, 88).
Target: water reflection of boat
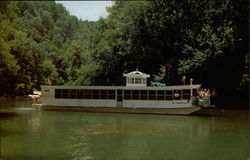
(6, 114)
(135, 97)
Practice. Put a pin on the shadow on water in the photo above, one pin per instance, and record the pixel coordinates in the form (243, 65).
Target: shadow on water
(7, 114)
(10, 108)
(221, 112)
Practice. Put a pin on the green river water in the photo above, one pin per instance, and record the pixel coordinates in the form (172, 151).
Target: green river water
(30, 133)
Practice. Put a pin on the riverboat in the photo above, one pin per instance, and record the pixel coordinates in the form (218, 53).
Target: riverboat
(135, 97)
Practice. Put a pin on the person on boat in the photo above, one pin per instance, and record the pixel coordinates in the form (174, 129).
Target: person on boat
(176, 95)
(201, 94)
(34, 98)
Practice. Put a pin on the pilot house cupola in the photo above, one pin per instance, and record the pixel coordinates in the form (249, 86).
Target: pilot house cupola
(136, 79)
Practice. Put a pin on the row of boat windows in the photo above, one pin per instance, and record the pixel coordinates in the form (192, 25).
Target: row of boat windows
(123, 94)
(136, 80)
(84, 94)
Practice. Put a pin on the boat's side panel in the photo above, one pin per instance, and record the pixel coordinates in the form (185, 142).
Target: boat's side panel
(113, 103)
(156, 103)
(173, 111)
(80, 102)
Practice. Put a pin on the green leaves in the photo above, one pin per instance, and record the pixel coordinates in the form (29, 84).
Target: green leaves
(201, 39)
(8, 63)
(206, 45)
(34, 39)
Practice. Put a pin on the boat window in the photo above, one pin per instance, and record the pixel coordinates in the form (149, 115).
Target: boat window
(169, 95)
(186, 94)
(137, 80)
(111, 91)
(103, 94)
(195, 92)
(65, 93)
(119, 92)
(133, 80)
(130, 81)
(152, 95)
(135, 94)
(127, 94)
(72, 93)
(160, 95)
(186, 91)
(87, 94)
(119, 95)
(111, 94)
(58, 93)
(95, 94)
(144, 95)
(79, 94)
(177, 94)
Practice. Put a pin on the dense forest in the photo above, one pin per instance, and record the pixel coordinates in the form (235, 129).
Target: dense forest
(207, 40)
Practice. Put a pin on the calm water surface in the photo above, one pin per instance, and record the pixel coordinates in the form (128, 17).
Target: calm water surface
(37, 134)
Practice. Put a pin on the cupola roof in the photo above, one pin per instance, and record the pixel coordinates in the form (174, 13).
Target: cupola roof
(136, 74)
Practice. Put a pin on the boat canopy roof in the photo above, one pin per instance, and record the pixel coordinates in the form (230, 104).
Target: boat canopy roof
(176, 87)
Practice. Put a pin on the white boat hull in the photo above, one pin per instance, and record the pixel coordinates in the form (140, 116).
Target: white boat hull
(164, 111)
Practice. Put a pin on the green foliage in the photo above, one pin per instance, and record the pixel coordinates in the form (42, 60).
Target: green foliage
(75, 57)
(206, 40)
(34, 39)
(87, 74)
(161, 76)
